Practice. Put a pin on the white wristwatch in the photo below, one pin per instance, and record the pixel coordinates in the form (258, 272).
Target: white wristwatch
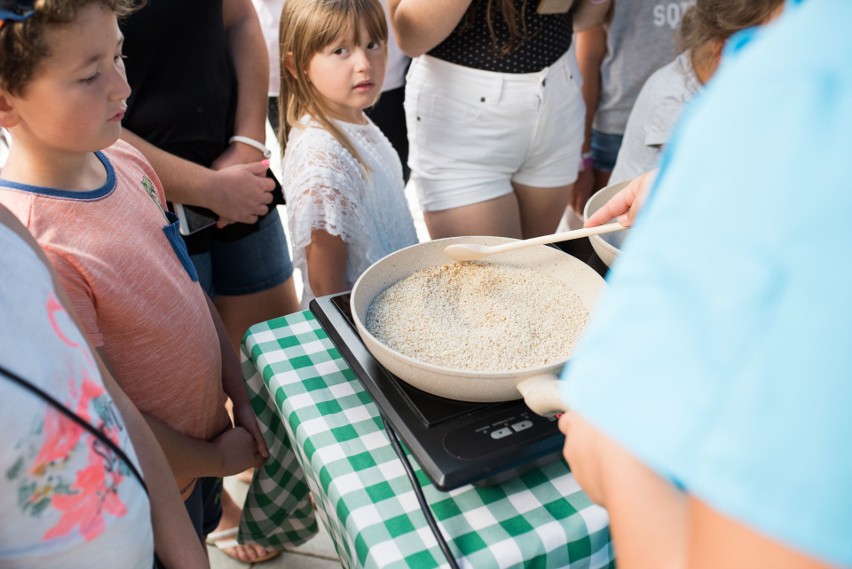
(253, 143)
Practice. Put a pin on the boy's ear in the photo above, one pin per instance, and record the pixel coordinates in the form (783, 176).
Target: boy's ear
(8, 115)
(289, 65)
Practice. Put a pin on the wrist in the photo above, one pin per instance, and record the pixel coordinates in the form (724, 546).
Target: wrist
(586, 161)
(251, 142)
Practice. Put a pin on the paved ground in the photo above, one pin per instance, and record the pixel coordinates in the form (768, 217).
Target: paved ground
(318, 553)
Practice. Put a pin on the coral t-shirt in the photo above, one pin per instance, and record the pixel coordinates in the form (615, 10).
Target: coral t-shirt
(130, 281)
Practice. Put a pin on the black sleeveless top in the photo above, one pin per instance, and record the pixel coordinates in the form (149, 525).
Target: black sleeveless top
(548, 37)
(184, 87)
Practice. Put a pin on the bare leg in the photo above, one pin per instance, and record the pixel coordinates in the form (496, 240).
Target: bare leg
(499, 216)
(247, 552)
(541, 208)
(241, 312)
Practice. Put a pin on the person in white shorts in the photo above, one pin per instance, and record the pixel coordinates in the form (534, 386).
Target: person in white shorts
(494, 112)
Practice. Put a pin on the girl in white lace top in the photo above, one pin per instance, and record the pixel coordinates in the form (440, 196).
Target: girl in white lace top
(342, 178)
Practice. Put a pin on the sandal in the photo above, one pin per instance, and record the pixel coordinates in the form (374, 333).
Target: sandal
(226, 542)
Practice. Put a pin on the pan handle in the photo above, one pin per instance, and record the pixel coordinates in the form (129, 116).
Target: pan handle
(541, 394)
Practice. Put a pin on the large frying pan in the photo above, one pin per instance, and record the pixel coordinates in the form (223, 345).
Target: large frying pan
(459, 384)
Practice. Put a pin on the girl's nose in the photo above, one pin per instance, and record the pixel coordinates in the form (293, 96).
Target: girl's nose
(362, 60)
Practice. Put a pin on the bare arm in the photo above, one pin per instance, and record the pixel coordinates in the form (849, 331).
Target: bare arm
(230, 453)
(591, 49)
(718, 541)
(589, 14)
(326, 260)
(420, 25)
(251, 62)
(656, 527)
(647, 514)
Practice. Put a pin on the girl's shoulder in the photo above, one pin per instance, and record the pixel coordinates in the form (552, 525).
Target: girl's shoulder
(313, 154)
(309, 132)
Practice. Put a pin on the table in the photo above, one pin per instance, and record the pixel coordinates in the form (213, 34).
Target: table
(325, 434)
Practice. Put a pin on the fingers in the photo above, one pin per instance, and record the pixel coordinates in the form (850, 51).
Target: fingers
(259, 168)
(617, 206)
(625, 204)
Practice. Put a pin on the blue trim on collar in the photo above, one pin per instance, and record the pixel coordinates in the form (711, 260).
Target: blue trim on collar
(95, 194)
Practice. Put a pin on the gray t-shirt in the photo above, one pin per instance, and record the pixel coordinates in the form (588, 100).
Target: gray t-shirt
(657, 109)
(641, 38)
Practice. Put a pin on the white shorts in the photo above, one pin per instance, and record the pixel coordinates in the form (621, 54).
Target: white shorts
(472, 133)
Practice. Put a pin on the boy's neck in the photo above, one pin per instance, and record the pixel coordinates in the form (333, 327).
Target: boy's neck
(70, 172)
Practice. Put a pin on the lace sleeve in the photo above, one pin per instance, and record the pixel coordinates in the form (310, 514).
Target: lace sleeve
(324, 185)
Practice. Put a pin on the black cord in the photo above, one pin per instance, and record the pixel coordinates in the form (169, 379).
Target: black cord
(77, 419)
(418, 491)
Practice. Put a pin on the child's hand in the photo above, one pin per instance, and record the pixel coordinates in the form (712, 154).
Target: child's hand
(244, 417)
(238, 451)
(241, 192)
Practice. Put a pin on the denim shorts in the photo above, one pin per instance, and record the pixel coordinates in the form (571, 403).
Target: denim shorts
(204, 506)
(605, 148)
(254, 263)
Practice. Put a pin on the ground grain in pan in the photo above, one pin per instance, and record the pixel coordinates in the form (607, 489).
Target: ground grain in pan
(479, 316)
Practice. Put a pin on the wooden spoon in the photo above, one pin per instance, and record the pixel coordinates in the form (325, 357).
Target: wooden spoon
(474, 251)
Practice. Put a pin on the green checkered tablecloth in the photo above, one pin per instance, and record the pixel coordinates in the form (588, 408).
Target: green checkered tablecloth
(316, 415)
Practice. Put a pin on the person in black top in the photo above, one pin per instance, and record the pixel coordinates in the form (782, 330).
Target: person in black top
(199, 75)
(494, 111)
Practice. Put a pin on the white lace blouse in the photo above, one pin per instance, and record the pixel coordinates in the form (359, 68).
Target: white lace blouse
(328, 189)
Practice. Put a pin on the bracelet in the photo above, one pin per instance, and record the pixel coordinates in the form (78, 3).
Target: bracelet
(586, 161)
(253, 143)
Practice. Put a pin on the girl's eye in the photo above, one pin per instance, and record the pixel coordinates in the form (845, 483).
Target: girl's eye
(91, 79)
(340, 51)
(374, 45)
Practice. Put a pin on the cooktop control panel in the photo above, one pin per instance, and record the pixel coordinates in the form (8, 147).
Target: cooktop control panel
(492, 435)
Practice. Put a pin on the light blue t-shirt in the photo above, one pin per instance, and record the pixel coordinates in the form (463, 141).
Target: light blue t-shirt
(721, 355)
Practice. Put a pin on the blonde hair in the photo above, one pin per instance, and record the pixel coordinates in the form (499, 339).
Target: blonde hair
(307, 27)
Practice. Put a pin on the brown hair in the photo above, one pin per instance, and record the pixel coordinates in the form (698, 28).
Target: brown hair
(714, 21)
(23, 45)
(307, 27)
(516, 23)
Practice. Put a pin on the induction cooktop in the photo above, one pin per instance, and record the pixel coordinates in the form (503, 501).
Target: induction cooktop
(454, 442)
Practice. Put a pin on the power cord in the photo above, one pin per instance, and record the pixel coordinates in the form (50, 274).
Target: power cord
(418, 491)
